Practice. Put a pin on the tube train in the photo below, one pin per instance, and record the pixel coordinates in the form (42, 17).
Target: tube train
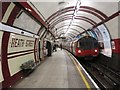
(86, 47)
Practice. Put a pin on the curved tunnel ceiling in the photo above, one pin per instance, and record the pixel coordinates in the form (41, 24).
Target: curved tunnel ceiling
(61, 16)
(73, 25)
(87, 16)
(75, 31)
(69, 17)
(81, 8)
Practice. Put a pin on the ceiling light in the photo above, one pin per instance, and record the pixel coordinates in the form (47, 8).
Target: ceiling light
(61, 3)
(28, 9)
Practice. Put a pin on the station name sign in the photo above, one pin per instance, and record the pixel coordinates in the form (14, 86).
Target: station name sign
(15, 42)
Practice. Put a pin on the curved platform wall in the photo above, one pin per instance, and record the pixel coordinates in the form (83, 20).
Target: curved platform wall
(17, 44)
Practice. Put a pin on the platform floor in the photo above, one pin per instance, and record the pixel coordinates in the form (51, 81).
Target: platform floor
(57, 71)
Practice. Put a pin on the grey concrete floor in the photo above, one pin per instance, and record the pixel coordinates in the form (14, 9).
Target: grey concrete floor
(57, 71)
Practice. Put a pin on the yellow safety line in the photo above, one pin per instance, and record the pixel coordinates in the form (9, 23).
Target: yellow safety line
(81, 74)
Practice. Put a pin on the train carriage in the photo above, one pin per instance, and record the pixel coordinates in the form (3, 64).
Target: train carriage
(86, 47)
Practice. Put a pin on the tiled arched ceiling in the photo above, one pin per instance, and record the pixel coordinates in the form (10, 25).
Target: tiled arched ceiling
(59, 16)
(58, 20)
(86, 9)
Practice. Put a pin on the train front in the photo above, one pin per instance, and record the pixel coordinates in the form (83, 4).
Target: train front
(87, 48)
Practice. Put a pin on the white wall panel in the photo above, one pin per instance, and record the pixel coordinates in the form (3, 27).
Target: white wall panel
(106, 7)
(27, 23)
(112, 26)
(1, 76)
(17, 49)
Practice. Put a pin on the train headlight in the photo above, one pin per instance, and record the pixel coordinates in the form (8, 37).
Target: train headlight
(95, 50)
(79, 51)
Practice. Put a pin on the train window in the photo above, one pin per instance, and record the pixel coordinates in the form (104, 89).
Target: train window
(81, 45)
(88, 43)
(96, 44)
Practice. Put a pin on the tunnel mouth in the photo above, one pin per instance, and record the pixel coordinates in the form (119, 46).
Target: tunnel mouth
(104, 39)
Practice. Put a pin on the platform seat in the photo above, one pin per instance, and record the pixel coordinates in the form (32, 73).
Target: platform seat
(28, 67)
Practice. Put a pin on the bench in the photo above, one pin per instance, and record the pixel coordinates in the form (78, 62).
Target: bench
(28, 67)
